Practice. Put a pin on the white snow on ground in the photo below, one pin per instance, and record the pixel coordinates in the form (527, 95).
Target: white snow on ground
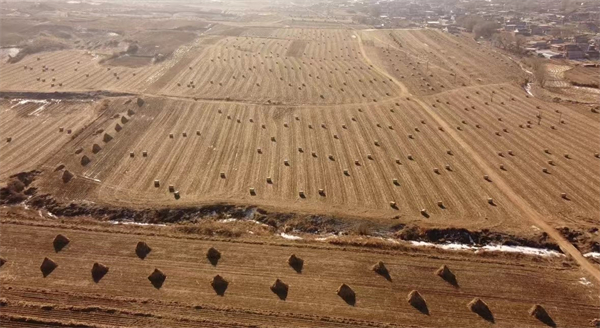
(137, 223)
(592, 254)
(290, 237)
(584, 282)
(491, 248)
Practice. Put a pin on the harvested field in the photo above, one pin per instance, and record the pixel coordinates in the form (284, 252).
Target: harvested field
(275, 165)
(510, 286)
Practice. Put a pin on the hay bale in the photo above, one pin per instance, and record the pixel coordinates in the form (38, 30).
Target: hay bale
(59, 167)
(369, 156)
(67, 176)
(357, 163)
(184, 134)
(252, 192)
(213, 256)
(259, 150)
(61, 129)
(410, 157)
(156, 183)
(140, 102)
(381, 269)
(346, 172)
(481, 308)
(124, 119)
(300, 150)
(393, 205)
(280, 289)
(222, 175)
(130, 112)
(176, 194)
(85, 160)
(8, 139)
(142, 250)
(395, 182)
(487, 178)
(59, 242)
(96, 148)
(273, 139)
(171, 188)
(538, 312)
(99, 271)
(269, 180)
(118, 127)
(286, 162)
(2, 261)
(48, 266)
(219, 284)
(445, 273)
(564, 196)
(157, 278)
(296, 263)
(301, 194)
(107, 137)
(322, 192)
(415, 299)
(347, 294)
(331, 157)
(197, 132)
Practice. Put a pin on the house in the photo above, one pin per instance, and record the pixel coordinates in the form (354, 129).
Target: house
(572, 51)
(549, 54)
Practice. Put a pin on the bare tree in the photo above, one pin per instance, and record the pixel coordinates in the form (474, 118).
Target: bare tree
(539, 71)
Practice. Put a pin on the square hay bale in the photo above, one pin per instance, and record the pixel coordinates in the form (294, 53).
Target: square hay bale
(131, 154)
(417, 301)
(157, 278)
(381, 270)
(347, 294)
(2, 261)
(67, 176)
(60, 242)
(156, 183)
(222, 175)
(280, 289)
(219, 284)
(142, 250)
(252, 192)
(445, 273)
(213, 256)
(481, 308)
(48, 266)
(346, 172)
(98, 271)
(85, 160)
(296, 263)
(538, 312)
(176, 194)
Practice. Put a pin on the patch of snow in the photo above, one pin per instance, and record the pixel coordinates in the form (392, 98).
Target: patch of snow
(137, 223)
(592, 254)
(584, 282)
(290, 237)
(331, 236)
(490, 248)
(527, 88)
